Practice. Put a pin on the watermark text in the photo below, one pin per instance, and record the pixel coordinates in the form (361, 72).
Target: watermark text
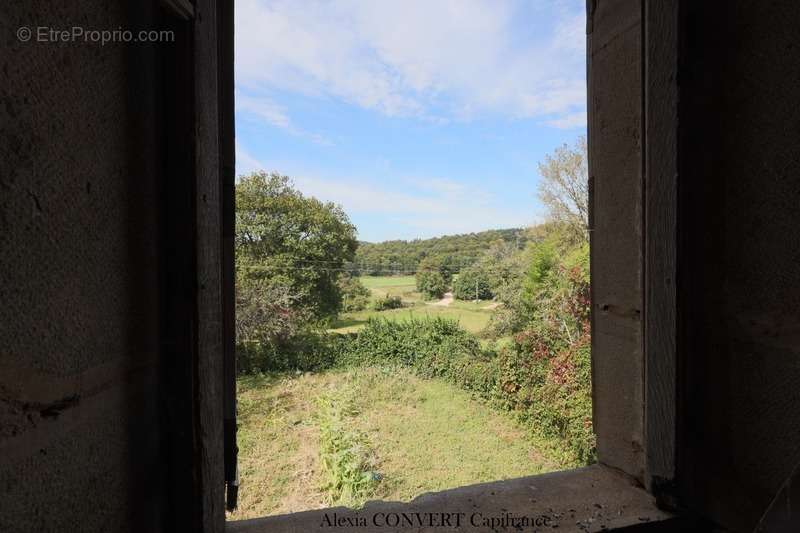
(79, 34)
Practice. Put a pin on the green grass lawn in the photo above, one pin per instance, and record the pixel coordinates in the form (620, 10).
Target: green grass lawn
(425, 435)
(377, 282)
(471, 315)
(474, 321)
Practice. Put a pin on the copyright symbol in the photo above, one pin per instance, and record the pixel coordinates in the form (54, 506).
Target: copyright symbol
(24, 34)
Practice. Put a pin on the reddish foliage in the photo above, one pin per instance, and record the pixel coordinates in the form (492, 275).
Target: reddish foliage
(532, 342)
(562, 368)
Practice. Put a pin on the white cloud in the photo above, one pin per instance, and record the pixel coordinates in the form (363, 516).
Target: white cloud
(265, 109)
(573, 120)
(424, 208)
(436, 60)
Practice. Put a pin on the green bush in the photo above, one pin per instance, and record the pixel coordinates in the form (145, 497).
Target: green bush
(408, 342)
(431, 284)
(387, 303)
(307, 351)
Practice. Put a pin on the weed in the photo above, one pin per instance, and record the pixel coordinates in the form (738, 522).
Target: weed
(345, 456)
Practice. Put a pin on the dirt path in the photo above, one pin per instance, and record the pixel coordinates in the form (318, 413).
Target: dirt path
(444, 302)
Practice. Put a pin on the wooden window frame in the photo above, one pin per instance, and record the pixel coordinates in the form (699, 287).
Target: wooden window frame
(195, 73)
(632, 64)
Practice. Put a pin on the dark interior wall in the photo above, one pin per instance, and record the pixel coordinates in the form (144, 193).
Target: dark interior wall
(739, 277)
(79, 413)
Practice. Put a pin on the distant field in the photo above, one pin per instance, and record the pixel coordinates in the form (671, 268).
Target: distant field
(472, 316)
(403, 286)
(473, 321)
(375, 282)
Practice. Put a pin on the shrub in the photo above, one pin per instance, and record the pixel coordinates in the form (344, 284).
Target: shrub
(387, 303)
(267, 311)
(306, 351)
(408, 342)
(431, 284)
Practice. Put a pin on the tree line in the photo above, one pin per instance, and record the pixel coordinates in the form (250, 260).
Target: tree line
(456, 251)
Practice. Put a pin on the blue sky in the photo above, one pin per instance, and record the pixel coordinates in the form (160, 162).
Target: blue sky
(421, 118)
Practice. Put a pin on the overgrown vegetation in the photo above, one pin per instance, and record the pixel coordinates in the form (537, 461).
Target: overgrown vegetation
(387, 303)
(543, 377)
(418, 435)
(530, 360)
(345, 456)
(290, 252)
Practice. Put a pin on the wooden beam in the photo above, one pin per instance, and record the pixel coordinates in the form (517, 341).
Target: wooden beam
(614, 50)
(227, 170)
(210, 462)
(660, 159)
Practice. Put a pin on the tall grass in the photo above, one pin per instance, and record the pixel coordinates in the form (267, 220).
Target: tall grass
(345, 455)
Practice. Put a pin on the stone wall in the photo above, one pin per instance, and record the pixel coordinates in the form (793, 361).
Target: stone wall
(79, 411)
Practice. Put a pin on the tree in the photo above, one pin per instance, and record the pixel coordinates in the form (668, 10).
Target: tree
(292, 245)
(473, 283)
(431, 284)
(441, 264)
(355, 296)
(564, 187)
(266, 312)
(453, 251)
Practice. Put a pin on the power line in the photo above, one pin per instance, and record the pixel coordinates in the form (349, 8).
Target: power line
(356, 270)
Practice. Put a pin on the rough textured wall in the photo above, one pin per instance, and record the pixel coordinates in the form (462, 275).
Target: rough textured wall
(616, 184)
(79, 436)
(740, 273)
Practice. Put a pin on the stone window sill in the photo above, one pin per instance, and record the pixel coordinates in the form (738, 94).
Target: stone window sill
(594, 498)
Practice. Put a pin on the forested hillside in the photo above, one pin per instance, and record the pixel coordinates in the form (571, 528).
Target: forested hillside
(459, 251)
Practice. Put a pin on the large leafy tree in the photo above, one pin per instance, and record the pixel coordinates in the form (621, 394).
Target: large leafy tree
(291, 245)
